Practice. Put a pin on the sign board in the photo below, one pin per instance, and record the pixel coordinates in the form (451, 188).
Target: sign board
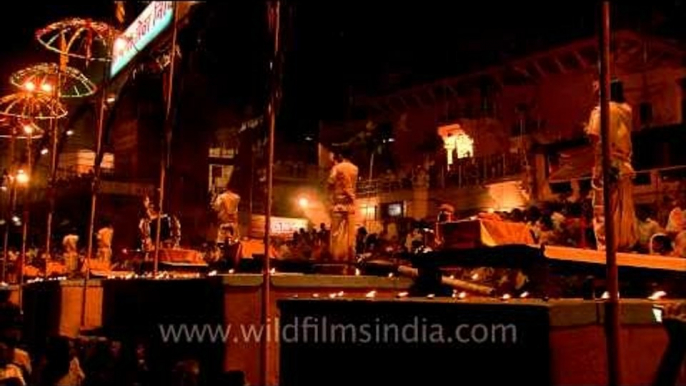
(154, 19)
(280, 226)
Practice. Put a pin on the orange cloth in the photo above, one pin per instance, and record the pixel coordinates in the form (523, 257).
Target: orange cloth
(502, 232)
(248, 248)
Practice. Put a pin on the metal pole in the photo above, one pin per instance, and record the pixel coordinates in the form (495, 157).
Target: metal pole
(94, 194)
(612, 304)
(166, 149)
(11, 205)
(274, 13)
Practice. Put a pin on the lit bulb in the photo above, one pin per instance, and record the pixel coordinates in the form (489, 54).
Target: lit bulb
(506, 297)
(44, 151)
(402, 294)
(475, 276)
(46, 87)
(430, 296)
(272, 271)
(70, 132)
(462, 295)
(332, 296)
(231, 270)
(29, 86)
(315, 295)
(357, 272)
(212, 273)
(524, 294)
(120, 44)
(303, 202)
(370, 294)
(28, 129)
(341, 293)
(390, 275)
(15, 218)
(22, 177)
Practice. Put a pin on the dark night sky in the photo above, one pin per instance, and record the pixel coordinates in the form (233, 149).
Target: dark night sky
(373, 46)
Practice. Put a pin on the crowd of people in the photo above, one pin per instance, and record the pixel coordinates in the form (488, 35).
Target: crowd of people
(90, 360)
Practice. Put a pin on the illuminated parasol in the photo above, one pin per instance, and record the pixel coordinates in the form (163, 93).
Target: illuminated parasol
(42, 78)
(25, 108)
(79, 38)
(18, 129)
(31, 107)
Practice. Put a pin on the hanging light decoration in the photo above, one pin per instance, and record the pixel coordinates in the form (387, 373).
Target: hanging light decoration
(12, 127)
(43, 78)
(78, 38)
(31, 106)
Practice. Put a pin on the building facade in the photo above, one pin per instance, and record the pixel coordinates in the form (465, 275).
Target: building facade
(511, 134)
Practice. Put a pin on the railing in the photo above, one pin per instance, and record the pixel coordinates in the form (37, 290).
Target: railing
(369, 188)
(467, 172)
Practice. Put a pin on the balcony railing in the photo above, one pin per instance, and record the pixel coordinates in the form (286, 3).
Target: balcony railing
(467, 172)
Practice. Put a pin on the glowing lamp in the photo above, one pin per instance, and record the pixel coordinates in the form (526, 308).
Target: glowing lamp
(70, 132)
(22, 177)
(29, 86)
(44, 151)
(46, 87)
(28, 129)
(120, 44)
(303, 202)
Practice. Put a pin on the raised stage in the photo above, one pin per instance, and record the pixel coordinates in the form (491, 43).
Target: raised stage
(570, 330)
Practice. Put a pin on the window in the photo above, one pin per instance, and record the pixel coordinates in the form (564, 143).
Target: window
(393, 209)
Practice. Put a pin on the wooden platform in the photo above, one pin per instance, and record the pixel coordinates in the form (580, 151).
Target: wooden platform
(635, 260)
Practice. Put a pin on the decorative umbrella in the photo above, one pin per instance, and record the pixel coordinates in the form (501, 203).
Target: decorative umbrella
(79, 38)
(14, 129)
(27, 107)
(42, 78)
(31, 106)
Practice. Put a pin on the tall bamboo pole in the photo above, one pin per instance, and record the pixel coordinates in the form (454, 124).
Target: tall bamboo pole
(26, 214)
(166, 148)
(97, 162)
(54, 133)
(274, 14)
(612, 304)
(11, 204)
